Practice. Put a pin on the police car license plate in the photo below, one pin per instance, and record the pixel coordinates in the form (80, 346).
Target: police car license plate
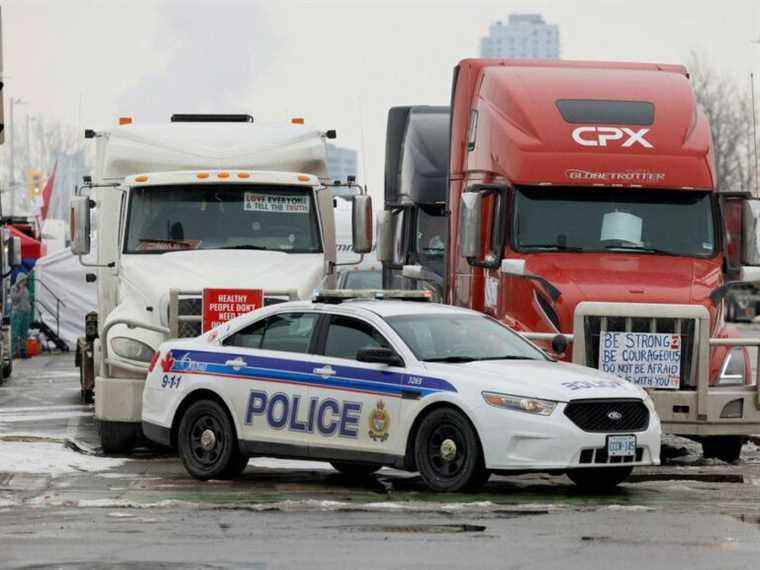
(621, 445)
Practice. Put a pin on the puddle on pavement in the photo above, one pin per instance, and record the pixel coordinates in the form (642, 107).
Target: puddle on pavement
(749, 519)
(129, 565)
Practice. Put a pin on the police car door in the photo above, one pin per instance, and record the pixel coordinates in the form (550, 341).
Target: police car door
(359, 404)
(270, 366)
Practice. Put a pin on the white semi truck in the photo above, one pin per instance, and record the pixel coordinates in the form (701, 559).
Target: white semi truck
(205, 201)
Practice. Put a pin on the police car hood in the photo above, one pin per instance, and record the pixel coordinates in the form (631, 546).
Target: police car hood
(559, 381)
(152, 275)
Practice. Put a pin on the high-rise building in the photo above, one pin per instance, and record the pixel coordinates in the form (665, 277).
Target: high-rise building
(523, 36)
(341, 162)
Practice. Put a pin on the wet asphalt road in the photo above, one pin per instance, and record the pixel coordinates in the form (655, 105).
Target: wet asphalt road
(62, 506)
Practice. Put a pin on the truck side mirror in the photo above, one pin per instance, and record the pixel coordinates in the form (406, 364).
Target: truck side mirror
(470, 224)
(80, 225)
(513, 266)
(14, 251)
(361, 233)
(749, 274)
(385, 237)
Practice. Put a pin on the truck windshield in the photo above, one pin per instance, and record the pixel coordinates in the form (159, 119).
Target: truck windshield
(667, 222)
(173, 218)
(457, 337)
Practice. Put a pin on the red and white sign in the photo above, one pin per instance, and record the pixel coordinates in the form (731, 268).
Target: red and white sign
(222, 305)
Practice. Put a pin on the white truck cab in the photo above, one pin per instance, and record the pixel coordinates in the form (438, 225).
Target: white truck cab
(201, 202)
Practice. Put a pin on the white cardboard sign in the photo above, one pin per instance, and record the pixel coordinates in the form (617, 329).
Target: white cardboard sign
(255, 202)
(649, 360)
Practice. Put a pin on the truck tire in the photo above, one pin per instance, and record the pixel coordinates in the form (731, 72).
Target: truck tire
(727, 448)
(355, 470)
(600, 479)
(118, 437)
(447, 452)
(207, 442)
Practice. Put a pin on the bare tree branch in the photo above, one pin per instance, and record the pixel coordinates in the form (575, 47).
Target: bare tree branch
(728, 107)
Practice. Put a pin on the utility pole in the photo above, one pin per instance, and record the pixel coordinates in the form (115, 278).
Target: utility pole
(28, 140)
(11, 160)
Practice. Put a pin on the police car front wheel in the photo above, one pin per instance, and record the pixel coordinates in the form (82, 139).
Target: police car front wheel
(447, 452)
(207, 442)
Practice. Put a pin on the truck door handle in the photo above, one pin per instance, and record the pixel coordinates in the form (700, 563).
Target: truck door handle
(237, 364)
(325, 371)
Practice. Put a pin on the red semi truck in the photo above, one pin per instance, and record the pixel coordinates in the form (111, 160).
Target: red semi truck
(584, 212)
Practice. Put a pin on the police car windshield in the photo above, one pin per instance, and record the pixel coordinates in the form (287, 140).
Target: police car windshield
(222, 216)
(461, 338)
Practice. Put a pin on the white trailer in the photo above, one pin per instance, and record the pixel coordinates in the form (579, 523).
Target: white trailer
(202, 202)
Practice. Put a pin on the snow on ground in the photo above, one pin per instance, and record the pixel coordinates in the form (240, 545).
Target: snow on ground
(271, 463)
(50, 458)
(312, 505)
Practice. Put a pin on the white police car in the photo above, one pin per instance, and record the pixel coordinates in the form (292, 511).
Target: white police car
(448, 392)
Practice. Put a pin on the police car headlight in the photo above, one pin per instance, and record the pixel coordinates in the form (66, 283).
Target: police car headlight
(520, 403)
(131, 349)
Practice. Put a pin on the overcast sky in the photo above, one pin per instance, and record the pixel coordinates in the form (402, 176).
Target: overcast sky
(338, 64)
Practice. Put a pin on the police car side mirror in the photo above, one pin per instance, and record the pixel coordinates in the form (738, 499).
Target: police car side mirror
(379, 355)
(559, 344)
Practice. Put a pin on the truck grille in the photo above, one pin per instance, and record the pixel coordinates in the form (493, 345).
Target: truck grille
(684, 327)
(601, 416)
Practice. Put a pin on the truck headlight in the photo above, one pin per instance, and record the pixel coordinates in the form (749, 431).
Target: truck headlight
(733, 370)
(131, 349)
(520, 403)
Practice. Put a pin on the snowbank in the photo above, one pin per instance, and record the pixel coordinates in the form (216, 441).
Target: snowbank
(50, 458)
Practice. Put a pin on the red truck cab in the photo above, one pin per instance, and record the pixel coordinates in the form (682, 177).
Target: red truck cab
(583, 202)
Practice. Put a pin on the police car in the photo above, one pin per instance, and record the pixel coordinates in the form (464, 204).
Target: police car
(445, 391)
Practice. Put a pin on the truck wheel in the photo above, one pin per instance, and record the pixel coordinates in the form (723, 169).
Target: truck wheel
(447, 452)
(599, 478)
(207, 442)
(7, 369)
(727, 448)
(355, 470)
(118, 437)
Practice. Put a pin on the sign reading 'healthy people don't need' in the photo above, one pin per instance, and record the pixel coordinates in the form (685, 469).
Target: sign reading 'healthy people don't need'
(650, 360)
(222, 305)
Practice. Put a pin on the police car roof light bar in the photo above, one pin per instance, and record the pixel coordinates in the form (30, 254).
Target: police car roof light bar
(336, 296)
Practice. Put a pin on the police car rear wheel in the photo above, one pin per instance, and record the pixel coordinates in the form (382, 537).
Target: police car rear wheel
(599, 478)
(355, 470)
(448, 453)
(207, 443)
